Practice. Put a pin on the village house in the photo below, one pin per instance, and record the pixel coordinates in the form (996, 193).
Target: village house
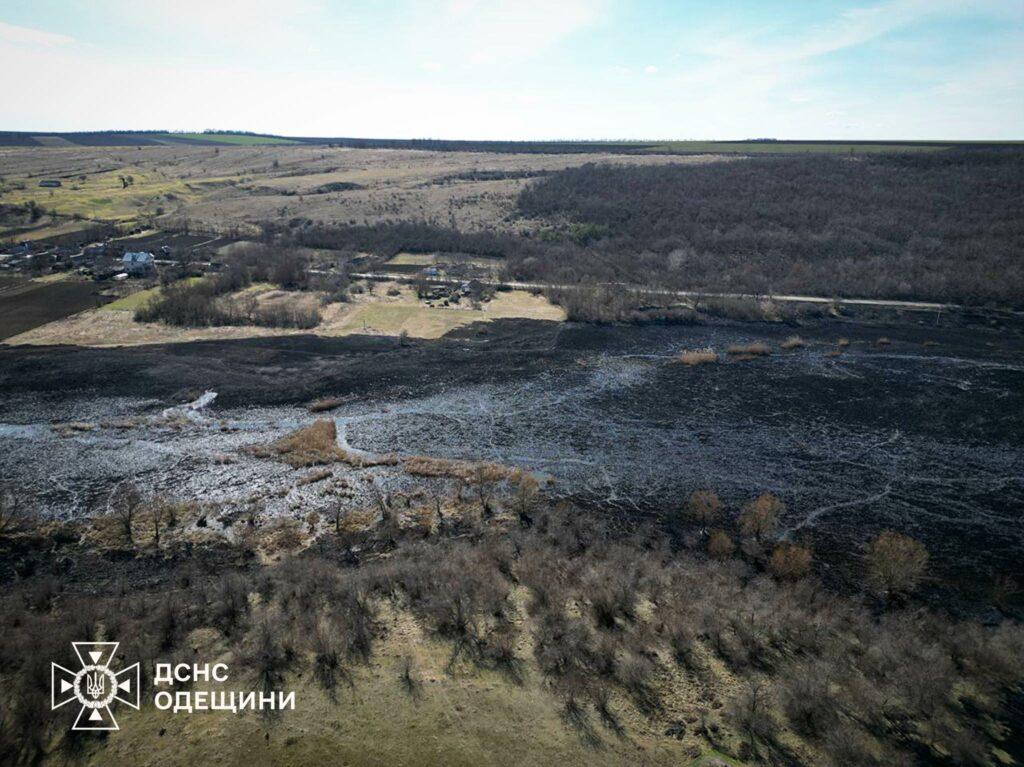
(137, 264)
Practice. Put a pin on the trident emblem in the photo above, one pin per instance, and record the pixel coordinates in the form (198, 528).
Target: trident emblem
(94, 686)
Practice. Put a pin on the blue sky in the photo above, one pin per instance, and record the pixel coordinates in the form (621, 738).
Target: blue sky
(532, 69)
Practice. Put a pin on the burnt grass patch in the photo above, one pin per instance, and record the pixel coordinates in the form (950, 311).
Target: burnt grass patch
(922, 435)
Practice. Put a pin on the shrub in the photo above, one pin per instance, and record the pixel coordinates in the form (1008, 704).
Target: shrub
(720, 545)
(793, 342)
(611, 593)
(895, 564)
(789, 562)
(760, 517)
(704, 508)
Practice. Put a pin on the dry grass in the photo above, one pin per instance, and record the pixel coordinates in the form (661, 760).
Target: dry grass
(314, 476)
(317, 444)
(747, 351)
(377, 314)
(281, 536)
(358, 521)
(427, 466)
(327, 403)
(793, 342)
(697, 357)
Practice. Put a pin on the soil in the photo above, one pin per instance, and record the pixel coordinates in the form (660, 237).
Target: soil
(32, 304)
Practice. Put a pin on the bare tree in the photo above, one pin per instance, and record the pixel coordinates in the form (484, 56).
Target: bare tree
(125, 504)
(484, 479)
(525, 498)
(12, 511)
(160, 512)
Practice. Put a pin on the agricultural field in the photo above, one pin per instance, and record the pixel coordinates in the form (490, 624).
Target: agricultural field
(25, 305)
(219, 188)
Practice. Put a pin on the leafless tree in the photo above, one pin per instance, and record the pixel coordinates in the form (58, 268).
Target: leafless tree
(125, 504)
(13, 511)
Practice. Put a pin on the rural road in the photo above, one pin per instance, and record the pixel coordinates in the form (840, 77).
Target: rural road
(919, 306)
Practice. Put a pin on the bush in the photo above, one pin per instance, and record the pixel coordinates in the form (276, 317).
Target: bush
(760, 517)
(789, 562)
(704, 508)
(720, 545)
(895, 564)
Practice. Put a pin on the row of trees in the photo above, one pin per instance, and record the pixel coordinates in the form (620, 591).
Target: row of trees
(206, 302)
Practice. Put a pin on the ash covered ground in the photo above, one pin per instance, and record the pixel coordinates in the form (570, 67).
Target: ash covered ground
(924, 434)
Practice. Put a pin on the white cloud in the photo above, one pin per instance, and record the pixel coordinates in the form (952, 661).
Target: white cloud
(651, 69)
(9, 33)
(494, 31)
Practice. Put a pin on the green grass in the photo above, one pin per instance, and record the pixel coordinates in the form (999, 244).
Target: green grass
(237, 139)
(133, 301)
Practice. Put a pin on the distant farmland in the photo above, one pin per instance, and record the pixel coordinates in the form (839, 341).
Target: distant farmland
(151, 138)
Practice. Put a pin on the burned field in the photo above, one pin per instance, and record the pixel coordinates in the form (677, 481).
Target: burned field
(910, 428)
(505, 470)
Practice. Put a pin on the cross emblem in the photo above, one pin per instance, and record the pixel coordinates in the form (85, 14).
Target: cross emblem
(94, 685)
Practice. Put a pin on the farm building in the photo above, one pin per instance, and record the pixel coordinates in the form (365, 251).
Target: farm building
(137, 263)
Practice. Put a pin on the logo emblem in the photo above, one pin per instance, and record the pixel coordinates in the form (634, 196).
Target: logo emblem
(94, 686)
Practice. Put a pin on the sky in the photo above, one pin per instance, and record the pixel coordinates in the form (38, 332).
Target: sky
(518, 69)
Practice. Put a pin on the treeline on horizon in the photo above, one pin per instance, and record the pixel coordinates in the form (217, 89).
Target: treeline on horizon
(149, 137)
(940, 226)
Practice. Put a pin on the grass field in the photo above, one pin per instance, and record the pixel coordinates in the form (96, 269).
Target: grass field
(236, 139)
(103, 196)
(379, 314)
(133, 301)
(392, 317)
(412, 259)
